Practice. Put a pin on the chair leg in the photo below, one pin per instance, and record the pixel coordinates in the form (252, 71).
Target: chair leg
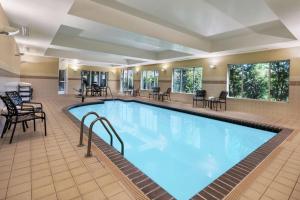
(13, 132)
(23, 125)
(34, 126)
(26, 125)
(5, 127)
(45, 125)
(9, 125)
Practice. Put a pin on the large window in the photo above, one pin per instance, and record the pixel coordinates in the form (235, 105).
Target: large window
(187, 80)
(265, 81)
(126, 79)
(149, 79)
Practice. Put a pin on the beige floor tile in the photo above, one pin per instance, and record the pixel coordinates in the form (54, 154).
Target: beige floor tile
(41, 174)
(19, 179)
(40, 167)
(83, 178)
(4, 176)
(94, 195)
(105, 180)
(112, 189)
(119, 196)
(22, 196)
(22, 171)
(75, 164)
(3, 193)
(47, 180)
(3, 184)
(97, 173)
(79, 170)
(43, 191)
(87, 187)
(275, 195)
(58, 169)
(17, 189)
(21, 165)
(64, 184)
(70, 193)
(61, 176)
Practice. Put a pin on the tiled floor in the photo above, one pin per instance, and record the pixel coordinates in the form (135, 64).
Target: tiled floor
(53, 167)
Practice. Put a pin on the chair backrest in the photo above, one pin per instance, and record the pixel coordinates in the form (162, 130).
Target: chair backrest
(169, 90)
(14, 97)
(223, 95)
(201, 93)
(156, 89)
(10, 106)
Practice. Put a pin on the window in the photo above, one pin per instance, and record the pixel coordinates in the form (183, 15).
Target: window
(126, 79)
(149, 79)
(265, 81)
(187, 80)
(61, 81)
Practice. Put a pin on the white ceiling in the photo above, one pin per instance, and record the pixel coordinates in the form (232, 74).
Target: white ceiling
(136, 32)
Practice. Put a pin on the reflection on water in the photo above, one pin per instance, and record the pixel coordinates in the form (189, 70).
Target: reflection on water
(181, 152)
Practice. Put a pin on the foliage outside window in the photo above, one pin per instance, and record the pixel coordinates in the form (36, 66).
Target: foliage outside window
(149, 79)
(126, 79)
(187, 80)
(264, 81)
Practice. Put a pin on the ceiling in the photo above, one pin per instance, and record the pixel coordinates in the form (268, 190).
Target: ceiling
(138, 32)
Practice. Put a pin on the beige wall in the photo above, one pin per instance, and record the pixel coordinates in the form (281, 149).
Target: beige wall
(42, 73)
(214, 80)
(9, 63)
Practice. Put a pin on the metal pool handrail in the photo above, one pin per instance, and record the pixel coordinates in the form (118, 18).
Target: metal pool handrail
(82, 124)
(110, 93)
(102, 119)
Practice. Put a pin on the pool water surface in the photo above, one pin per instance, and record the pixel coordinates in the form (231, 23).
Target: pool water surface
(181, 152)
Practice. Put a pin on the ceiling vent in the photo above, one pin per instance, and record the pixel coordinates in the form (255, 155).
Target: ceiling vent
(24, 30)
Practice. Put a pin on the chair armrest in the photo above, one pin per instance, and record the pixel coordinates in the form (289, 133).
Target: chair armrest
(37, 103)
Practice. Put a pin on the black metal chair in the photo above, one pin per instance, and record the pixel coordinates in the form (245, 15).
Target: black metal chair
(20, 104)
(222, 99)
(136, 92)
(166, 94)
(200, 96)
(14, 116)
(155, 92)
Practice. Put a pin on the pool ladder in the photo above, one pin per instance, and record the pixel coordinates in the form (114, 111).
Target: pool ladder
(112, 96)
(102, 120)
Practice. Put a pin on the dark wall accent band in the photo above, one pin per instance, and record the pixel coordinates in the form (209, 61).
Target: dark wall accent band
(38, 77)
(74, 79)
(220, 187)
(213, 82)
(5, 73)
(294, 83)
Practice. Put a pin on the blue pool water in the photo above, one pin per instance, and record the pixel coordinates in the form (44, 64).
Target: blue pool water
(183, 153)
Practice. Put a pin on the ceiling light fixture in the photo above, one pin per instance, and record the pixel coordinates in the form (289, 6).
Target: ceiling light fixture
(213, 66)
(8, 30)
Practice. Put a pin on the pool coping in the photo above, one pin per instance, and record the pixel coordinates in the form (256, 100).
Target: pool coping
(221, 186)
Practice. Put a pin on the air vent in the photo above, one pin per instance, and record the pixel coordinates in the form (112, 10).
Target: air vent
(24, 30)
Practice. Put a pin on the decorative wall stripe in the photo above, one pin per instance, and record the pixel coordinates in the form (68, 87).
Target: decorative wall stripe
(74, 79)
(38, 77)
(294, 83)
(5, 73)
(213, 82)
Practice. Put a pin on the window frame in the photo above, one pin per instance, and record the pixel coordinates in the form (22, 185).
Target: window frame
(269, 82)
(184, 68)
(147, 71)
